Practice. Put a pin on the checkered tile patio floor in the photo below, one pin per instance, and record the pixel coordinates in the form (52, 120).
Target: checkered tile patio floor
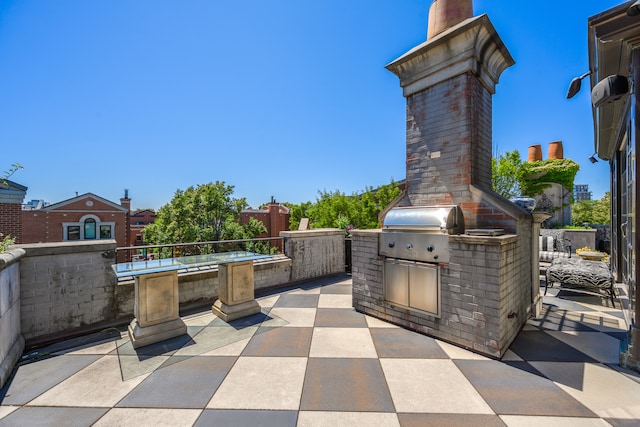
(310, 360)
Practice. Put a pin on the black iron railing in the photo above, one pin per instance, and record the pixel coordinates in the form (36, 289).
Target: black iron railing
(263, 245)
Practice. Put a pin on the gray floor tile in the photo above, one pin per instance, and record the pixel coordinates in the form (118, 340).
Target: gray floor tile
(449, 420)
(340, 318)
(283, 342)
(558, 321)
(188, 384)
(32, 379)
(240, 418)
(510, 391)
(345, 385)
(541, 346)
(338, 288)
(298, 300)
(59, 416)
(405, 344)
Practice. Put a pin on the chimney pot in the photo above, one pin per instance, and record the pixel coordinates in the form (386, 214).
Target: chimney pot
(444, 14)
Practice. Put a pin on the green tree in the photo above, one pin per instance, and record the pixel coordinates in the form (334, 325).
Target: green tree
(334, 209)
(505, 174)
(592, 211)
(199, 214)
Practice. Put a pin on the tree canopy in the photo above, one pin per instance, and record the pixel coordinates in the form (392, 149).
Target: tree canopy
(592, 211)
(203, 213)
(334, 209)
(505, 174)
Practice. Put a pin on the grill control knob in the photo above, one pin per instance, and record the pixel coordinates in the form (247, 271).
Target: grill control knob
(409, 245)
(430, 248)
(392, 244)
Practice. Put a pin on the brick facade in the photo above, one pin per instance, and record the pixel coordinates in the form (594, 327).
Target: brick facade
(11, 198)
(48, 224)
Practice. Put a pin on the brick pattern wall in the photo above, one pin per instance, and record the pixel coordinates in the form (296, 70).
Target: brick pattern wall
(485, 293)
(11, 220)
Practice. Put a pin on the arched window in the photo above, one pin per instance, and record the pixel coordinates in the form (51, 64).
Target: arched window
(90, 228)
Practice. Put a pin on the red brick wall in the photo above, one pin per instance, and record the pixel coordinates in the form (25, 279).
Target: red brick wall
(11, 221)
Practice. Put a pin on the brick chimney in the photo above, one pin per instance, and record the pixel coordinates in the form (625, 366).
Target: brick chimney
(448, 82)
(125, 202)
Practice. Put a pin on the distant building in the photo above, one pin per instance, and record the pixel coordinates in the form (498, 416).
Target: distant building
(581, 192)
(274, 216)
(84, 217)
(138, 220)
(11, 198)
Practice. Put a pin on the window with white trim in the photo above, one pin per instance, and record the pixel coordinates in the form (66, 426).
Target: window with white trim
(90, 227)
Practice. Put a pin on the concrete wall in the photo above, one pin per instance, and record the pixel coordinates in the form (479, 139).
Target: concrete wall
(579, 238)
(66, 286)
(314, 253)
(11, 340)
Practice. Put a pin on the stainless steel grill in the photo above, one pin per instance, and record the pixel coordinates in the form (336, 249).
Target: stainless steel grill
(414, 241)
(420, 233)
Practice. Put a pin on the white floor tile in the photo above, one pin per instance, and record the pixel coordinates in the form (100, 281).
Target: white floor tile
(262, 383)
(431, 385)
(142, 417)
(342, 342)
(347, 419)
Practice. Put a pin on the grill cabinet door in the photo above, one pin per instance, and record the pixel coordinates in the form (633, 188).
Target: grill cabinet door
(424, 288)
(396, 280)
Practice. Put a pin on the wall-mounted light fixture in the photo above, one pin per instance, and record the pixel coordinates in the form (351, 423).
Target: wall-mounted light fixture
(634, 9)
(609, 89)
(576, 83)
(593, 159)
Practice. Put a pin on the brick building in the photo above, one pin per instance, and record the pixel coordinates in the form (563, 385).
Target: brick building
(11, 198)
(138, 220)
(84, 217)
(274, 216)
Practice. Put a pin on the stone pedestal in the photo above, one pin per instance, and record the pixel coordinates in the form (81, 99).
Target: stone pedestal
(235, 291)
(156, 309)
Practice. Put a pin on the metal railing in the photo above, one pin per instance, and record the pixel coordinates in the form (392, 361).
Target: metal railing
(262, 245)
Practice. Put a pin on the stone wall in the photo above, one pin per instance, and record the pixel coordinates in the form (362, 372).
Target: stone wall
(314, 253)
(11, 340)
(485, 294)
(66, 286)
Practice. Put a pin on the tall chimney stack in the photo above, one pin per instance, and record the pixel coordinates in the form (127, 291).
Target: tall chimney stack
(444, 14)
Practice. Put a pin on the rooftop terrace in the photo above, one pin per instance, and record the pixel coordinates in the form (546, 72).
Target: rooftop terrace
(309, 359)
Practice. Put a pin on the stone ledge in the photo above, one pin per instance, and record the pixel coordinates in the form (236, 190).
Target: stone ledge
(11, 257)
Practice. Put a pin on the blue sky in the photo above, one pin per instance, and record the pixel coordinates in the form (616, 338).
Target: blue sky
(279, 98)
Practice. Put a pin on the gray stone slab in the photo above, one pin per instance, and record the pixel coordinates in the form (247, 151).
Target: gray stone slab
(540, 346)
(398, 342)
(280, 342)
(298, 301)
(340, 318)
(345, 385)
(510, 391)
(443, 420)
(32, 379)
(187, 384)
(240, 418)
(53, 416)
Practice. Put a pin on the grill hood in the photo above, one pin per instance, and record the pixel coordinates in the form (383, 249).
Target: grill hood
(446, 219)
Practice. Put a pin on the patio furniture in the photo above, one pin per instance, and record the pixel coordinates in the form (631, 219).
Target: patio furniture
(576, 274)
(551, 248)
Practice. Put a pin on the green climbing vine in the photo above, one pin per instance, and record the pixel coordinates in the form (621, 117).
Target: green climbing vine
(536, 176)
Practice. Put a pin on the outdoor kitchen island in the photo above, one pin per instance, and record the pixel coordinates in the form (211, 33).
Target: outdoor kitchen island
(480, 307)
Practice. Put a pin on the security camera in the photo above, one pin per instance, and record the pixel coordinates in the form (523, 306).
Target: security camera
(609, 90)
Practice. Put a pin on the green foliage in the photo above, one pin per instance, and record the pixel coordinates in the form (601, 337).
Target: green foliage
(5, 242)
(297, 212)
(505, 174)
(337, 210)
(201, 214)
(592, 211)
(536, 176)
